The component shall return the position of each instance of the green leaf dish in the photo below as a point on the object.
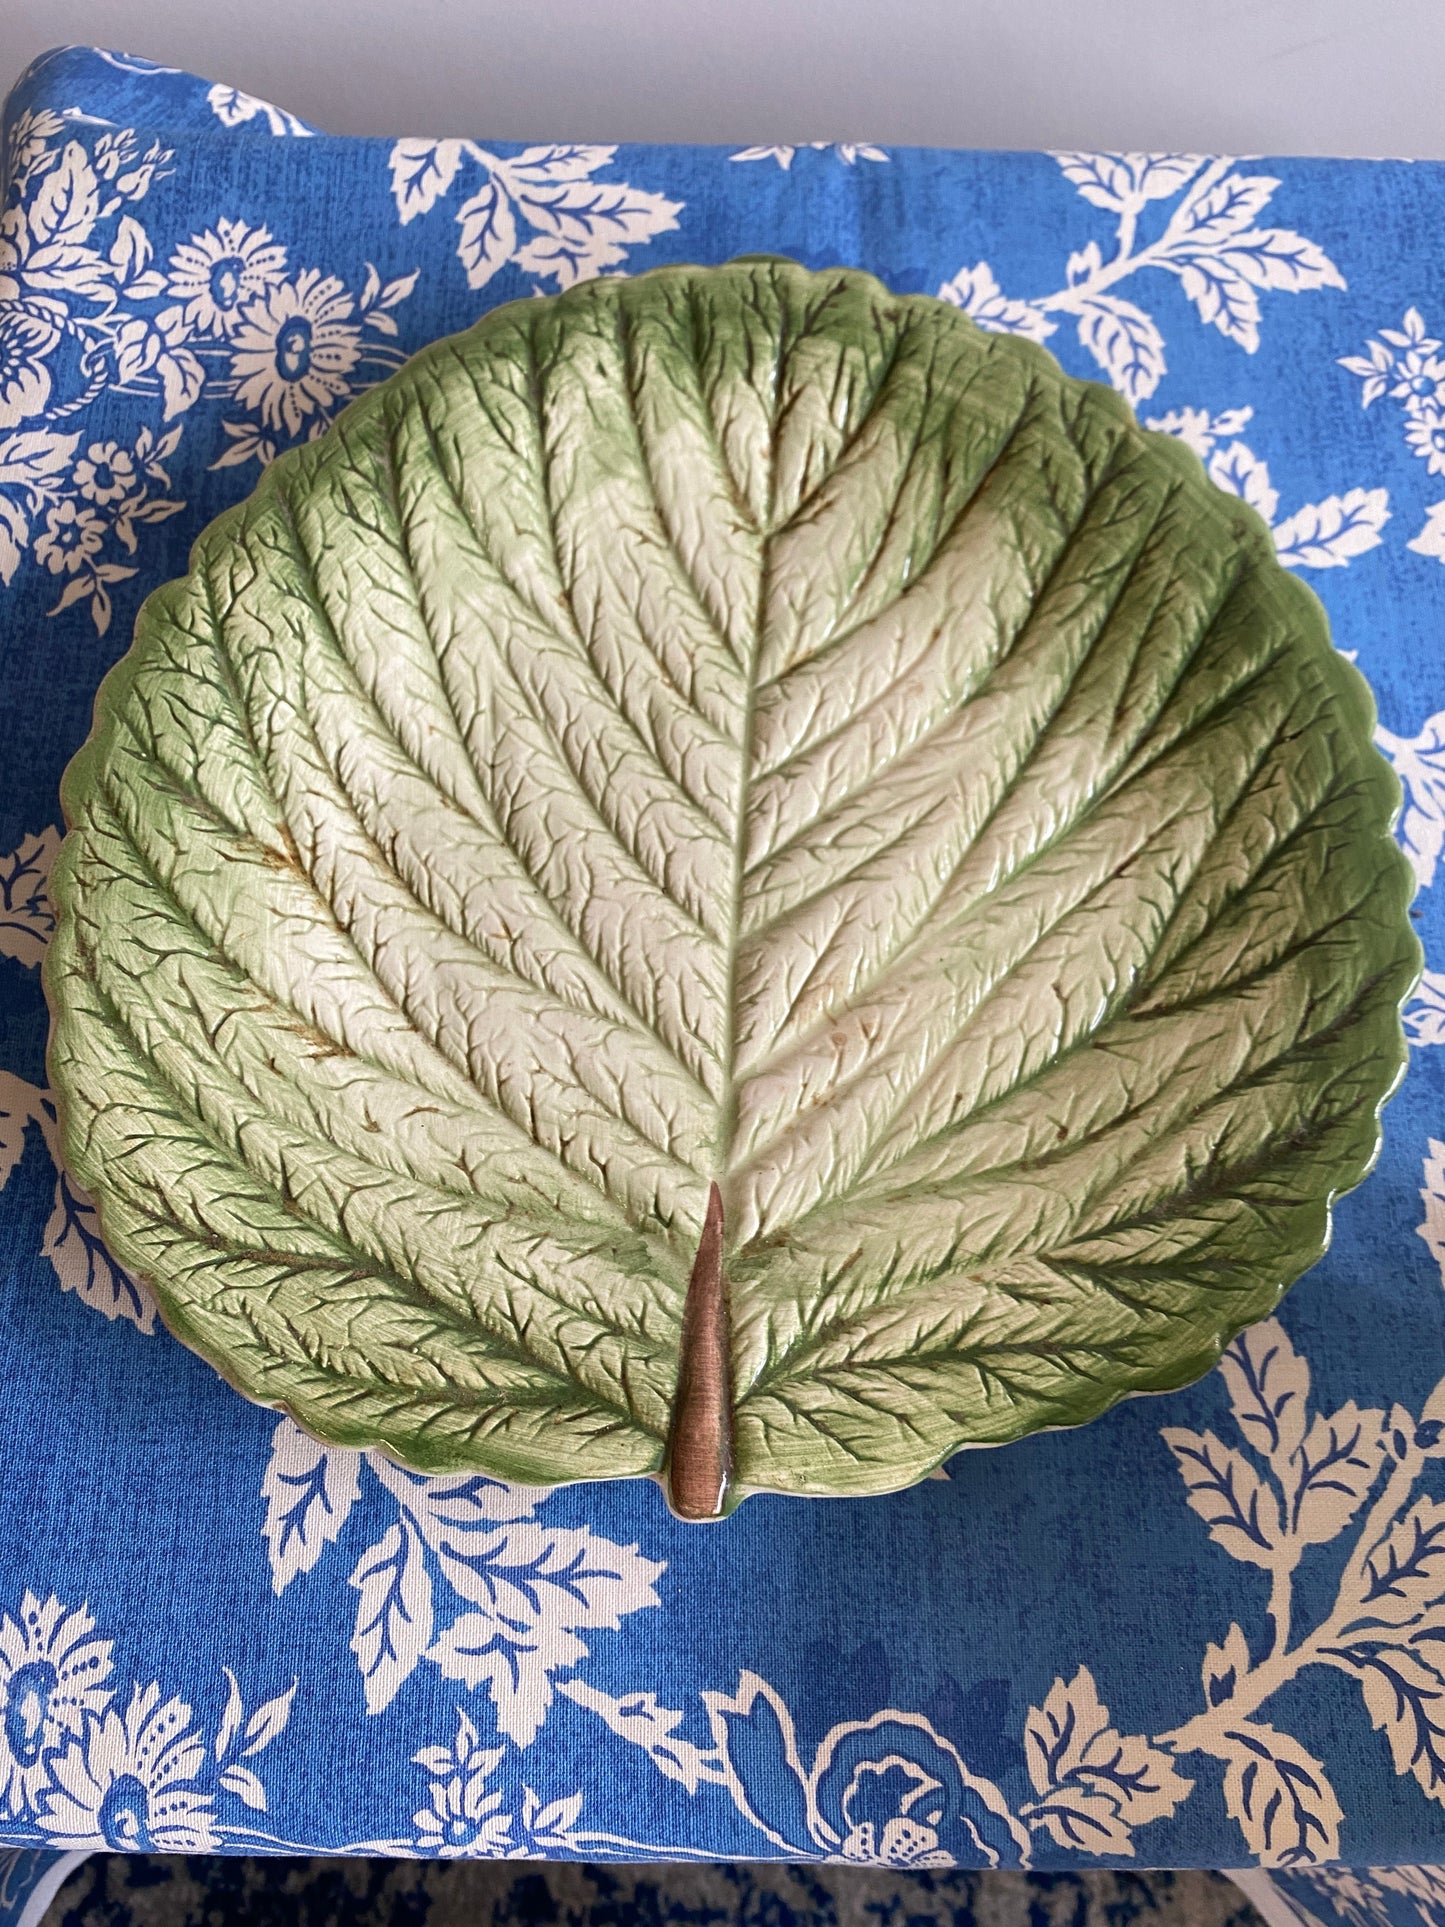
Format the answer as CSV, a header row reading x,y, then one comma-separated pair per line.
x,y
729,879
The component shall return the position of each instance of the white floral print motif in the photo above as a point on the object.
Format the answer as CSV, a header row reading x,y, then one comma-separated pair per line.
x,y
77,1772
464,1817
127,1783
579,226
1321,535
849,152
893,1789
111,492
52,1674
1405,365
81,291
527,1589
1209,242
1101,1784
218,273
888,1789
106,474
293,350
148,1782
72,536
66,503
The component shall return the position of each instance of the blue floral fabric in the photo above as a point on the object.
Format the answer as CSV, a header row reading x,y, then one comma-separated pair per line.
x,y
1207,1630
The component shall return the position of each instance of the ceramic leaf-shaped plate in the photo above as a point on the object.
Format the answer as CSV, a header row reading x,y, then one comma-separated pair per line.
x,y
732,877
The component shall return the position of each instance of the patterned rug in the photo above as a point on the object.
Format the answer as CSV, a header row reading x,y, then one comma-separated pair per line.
x,y
140,1890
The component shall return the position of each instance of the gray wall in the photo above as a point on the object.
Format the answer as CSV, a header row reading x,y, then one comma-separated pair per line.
x,y
1302,76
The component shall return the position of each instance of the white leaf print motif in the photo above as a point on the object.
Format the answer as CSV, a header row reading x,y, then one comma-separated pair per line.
x,y
527,1590
1238,471
1226,210
1425,1013
1432,1196
1269,1389
1331,533
1200,430
1320,535
1431,539
1280,1795
421,173
849,152
977,292
27,918
1208,243
233,108
231,1718
488,233
241,1781
71,1238
535,1587
1120,182
268,1721
1125,343
394,1615
1241,1511
309,1491
1420,765
642,1722
541,210
1094,1785
73,1244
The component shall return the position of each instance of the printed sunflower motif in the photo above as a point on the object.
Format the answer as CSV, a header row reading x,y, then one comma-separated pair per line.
x,y
1419,376
126,1784
293,351
1425,433
51,1677
217,274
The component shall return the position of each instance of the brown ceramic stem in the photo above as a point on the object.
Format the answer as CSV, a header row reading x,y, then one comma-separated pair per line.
x,y
700,1443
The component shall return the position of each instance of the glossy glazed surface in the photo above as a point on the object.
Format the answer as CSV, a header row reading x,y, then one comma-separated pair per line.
x,y
729,727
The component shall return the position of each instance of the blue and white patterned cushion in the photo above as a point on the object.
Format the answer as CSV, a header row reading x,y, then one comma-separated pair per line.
x,y
1209,1629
